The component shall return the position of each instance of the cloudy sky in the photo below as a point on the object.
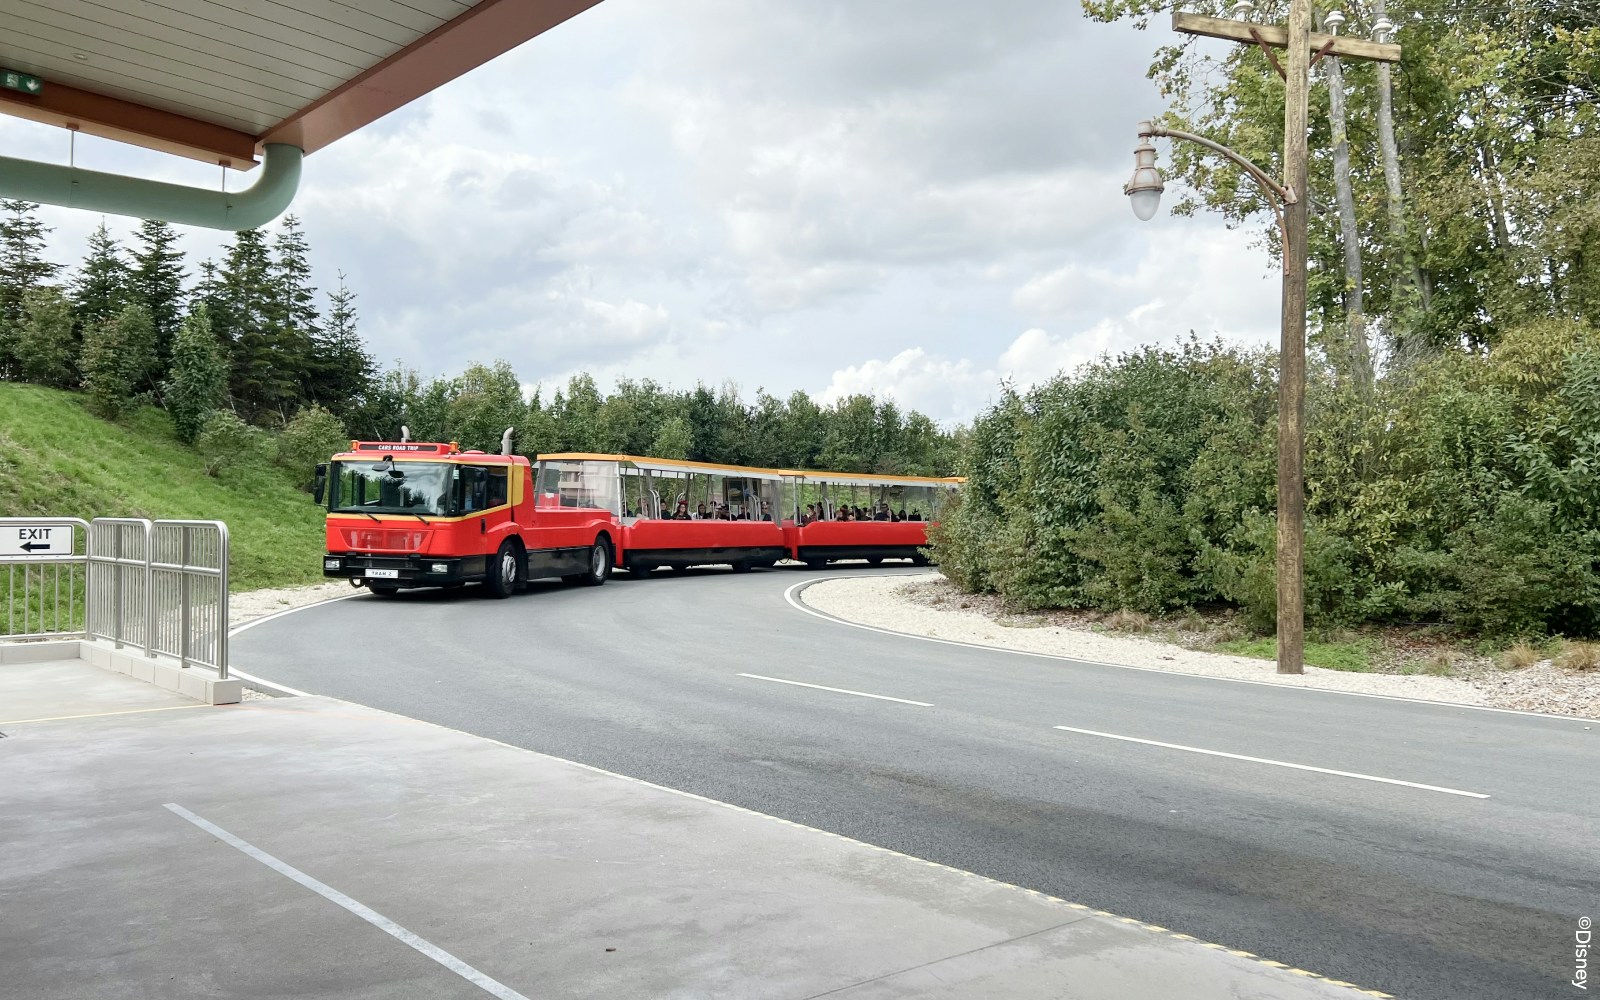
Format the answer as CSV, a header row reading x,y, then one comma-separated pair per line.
x,y
913,199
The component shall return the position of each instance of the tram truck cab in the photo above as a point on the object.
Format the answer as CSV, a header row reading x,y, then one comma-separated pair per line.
x,y
404,514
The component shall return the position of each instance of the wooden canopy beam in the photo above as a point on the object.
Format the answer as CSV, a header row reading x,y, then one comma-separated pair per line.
x,y
125,121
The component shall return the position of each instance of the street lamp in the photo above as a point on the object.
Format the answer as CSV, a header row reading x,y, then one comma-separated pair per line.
x,y
1145,187
1144,191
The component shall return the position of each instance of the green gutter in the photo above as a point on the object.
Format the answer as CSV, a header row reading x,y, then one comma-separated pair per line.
x,y
93,191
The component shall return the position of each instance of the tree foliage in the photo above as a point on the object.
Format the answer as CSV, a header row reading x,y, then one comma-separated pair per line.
x,y
23,268
309,438
47,346
1464,495
197,380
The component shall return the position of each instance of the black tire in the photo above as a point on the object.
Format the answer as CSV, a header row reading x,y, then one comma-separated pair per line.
x,y
504,572
599,568
919,560
383,589
816,563
741,565
875,560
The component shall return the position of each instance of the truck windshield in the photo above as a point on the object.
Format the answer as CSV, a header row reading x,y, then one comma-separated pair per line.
x,y
407,488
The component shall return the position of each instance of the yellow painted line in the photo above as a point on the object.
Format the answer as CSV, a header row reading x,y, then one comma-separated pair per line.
x,y
100,715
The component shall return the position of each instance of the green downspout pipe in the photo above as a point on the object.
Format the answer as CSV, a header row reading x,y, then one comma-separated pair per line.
x,y
93,191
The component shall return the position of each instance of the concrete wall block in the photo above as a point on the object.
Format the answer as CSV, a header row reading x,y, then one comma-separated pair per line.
x,y
168,678
228,692
39,652
194,685
98,655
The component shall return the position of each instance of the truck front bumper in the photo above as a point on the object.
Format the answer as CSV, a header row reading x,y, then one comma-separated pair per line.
x,y
401,571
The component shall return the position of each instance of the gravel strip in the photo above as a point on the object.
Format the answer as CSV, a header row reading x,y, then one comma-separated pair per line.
x,y
880,602
248,604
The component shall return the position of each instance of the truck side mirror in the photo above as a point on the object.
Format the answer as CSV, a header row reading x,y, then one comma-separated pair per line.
x,y
320,484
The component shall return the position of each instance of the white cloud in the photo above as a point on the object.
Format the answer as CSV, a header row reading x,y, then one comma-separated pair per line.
x,y
867,197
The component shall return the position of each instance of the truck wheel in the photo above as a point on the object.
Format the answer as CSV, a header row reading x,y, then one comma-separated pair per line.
x,y
383,589
599,568
875,560
504,572
816,563
741,565
919,560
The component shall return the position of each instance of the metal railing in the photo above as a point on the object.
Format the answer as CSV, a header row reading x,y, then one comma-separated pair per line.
x,y
188,592
45,590
119,569
161,586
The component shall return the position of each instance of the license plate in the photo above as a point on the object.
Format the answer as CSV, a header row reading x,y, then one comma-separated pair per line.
x,y
383,574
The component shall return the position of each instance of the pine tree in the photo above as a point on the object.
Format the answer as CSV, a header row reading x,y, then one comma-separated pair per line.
x,y
197,378
341,369
47,345
100,288
22,267
292,314
157,282
260,382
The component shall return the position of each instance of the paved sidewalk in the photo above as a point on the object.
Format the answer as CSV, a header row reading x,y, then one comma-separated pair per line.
x,y
310,848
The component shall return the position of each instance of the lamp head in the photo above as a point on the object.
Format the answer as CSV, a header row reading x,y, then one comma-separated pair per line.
x,y
1333,22
1145,186
1381,28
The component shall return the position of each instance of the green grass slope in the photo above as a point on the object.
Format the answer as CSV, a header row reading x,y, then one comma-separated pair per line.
x,y
56,458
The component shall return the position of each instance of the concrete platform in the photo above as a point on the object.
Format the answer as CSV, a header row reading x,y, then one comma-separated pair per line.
x,y
541,877
56,688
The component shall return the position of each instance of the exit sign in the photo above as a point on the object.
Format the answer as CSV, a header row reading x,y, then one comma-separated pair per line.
x,y
13,80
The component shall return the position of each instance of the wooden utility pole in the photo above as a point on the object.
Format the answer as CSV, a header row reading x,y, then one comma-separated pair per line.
x,y
1297,40
1292,350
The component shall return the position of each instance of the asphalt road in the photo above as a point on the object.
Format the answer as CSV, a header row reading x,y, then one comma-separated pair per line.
x,y
1422,892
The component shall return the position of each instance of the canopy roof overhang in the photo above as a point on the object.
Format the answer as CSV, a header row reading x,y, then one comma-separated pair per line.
x,y
217,81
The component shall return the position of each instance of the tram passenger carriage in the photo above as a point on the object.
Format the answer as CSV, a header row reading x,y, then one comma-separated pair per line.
x,y
411,514
744,516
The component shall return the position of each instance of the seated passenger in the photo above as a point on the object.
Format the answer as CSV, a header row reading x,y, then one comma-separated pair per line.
x,y
901,516
766,511
682,513
882,513
916,515
701,515
809,516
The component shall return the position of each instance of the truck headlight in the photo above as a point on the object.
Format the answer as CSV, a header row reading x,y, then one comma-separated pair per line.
x,y
439,568
331,564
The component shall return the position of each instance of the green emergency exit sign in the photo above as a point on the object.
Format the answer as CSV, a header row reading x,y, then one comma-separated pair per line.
x,y
13,80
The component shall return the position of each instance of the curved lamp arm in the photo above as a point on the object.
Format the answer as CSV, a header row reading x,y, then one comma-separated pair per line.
x,y
1274,191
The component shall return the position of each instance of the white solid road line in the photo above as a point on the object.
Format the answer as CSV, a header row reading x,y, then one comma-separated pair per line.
x,y
790,595
366,913
1276,763
824,687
